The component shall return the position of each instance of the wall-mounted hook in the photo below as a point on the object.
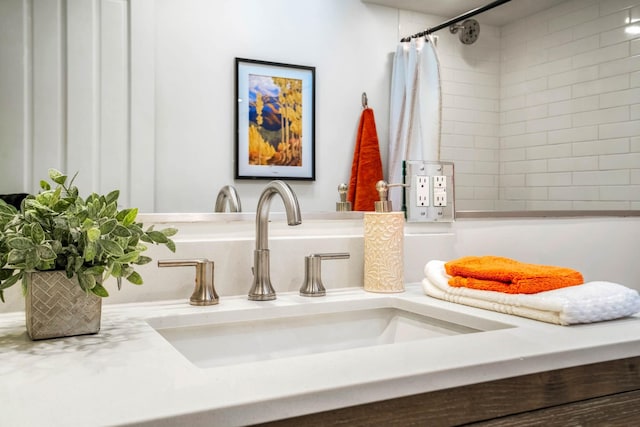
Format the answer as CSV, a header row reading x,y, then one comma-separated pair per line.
x,y
365,101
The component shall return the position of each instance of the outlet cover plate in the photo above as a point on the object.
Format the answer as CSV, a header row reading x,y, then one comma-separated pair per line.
x,y
435,201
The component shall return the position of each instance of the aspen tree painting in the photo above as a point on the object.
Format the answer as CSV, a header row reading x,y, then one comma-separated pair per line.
x,y
275,120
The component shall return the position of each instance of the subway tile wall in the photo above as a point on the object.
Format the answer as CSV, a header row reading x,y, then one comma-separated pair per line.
x,y
569,97
470,76
544,113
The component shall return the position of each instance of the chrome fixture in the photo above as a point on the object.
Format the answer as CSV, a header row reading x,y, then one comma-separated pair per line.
x,y
204,292
262,290
312,285
384,204
469,31
451,22
230,194
343,205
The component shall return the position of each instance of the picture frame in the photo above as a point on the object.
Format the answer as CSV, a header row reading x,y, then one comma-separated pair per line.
x,y
274,120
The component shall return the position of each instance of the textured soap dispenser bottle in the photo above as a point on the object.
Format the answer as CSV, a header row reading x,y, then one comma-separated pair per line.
x,y
383,246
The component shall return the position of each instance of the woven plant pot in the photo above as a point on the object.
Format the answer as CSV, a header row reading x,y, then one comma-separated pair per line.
x,y
57,307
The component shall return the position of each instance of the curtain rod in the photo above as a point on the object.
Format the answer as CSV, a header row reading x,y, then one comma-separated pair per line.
x,y
455,20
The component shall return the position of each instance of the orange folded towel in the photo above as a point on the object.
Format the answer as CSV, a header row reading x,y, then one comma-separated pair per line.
x,y
366,169
506,275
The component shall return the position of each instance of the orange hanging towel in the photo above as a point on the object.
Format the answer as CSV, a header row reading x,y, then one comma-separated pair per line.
x,y
509,276
366,169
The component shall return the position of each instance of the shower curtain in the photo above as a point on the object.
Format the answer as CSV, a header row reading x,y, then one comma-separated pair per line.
x,y
415,109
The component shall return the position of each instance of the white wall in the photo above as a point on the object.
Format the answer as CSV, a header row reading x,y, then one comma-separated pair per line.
x,y
600,248
197,41
570,108
65,71
138,95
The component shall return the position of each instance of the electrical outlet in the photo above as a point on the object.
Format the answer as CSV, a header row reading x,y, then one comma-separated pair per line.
x,y
440,198
439,181
422,190
439,190
429,197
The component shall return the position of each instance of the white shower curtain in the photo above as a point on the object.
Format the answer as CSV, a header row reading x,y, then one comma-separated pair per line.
x,y
415,109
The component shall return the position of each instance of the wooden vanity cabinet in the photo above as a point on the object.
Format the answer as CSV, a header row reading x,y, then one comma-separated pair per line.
x,y
605,393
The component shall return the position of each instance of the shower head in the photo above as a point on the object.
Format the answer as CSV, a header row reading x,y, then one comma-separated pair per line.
x,y
469,31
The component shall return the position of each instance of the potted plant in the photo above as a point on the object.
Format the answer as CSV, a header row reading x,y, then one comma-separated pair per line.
x,y
62,247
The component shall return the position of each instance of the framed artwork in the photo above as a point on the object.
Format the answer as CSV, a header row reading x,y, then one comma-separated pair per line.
x,y
275,121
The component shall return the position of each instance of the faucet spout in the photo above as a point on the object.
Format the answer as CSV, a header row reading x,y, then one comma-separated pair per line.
x,y
291,207
262,290
228,193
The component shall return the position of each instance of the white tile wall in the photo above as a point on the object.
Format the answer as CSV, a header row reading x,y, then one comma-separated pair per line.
x,y
544,112
573,164
579,67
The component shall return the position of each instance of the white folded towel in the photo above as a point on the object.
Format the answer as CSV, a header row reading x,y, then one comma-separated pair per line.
x,y
586,303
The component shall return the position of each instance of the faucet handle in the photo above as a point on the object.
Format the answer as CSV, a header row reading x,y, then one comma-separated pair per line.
x,y
312,285
204,292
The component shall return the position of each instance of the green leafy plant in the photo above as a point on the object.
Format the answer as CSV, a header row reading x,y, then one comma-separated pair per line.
x,y
89,239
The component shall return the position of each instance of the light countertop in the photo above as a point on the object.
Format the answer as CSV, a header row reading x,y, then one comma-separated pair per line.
x,y
128,374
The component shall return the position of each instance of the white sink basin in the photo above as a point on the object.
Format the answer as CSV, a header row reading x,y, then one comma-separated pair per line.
x,y
269,332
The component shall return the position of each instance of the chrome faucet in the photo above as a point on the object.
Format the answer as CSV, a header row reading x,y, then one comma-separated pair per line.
x,y
228,193
262,289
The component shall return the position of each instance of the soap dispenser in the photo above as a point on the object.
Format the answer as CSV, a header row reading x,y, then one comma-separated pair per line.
x,y
383,246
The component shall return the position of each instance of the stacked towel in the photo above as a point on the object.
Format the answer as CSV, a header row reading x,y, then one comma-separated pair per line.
x,y
501,274
587,303
366,169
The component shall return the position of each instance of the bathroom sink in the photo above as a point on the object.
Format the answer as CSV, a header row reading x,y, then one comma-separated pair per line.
x,y
250,335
